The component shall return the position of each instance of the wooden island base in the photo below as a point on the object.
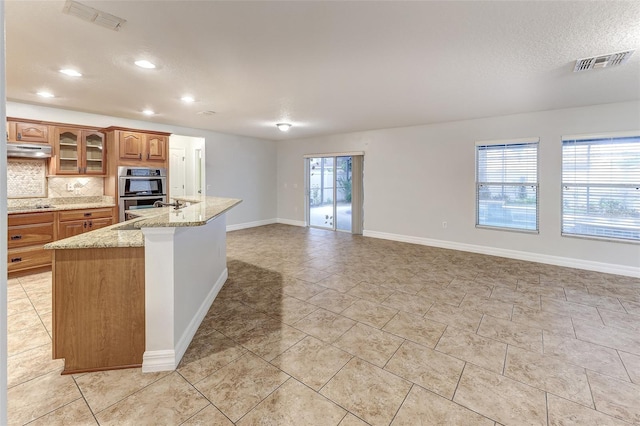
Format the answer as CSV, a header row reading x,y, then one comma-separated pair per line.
x,y
99,308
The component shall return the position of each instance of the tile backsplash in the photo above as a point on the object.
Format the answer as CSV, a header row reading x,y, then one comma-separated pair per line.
x,y
27,178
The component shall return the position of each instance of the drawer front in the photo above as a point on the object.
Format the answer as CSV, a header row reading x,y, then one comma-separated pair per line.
x,y
27,235
30,218
19,259
64,216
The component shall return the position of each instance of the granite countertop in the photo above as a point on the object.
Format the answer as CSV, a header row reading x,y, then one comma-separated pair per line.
x,y
36,205
129,234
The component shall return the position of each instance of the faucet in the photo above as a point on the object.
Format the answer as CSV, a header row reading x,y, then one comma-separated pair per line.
x,y
176,204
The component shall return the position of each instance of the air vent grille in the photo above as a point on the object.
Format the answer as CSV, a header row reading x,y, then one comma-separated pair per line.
x,y
603,61
88,13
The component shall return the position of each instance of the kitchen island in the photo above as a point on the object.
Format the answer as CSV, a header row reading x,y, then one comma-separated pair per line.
x,y
134,294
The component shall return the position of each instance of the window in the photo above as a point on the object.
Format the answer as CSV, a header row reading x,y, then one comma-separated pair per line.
x,y
507,185
601,186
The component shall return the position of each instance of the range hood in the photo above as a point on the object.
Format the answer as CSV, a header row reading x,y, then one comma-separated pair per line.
x,y
28,150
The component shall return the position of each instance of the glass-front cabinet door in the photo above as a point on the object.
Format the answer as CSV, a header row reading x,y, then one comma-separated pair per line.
x,y
67,151
93,152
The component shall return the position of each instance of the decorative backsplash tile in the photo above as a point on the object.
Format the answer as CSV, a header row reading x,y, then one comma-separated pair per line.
x,y
26,178
83,186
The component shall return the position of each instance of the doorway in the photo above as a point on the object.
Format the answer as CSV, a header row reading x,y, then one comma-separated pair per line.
x,y
334,192
186,166
178,171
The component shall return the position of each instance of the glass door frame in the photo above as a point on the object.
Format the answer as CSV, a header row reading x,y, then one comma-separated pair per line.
x,y
334,218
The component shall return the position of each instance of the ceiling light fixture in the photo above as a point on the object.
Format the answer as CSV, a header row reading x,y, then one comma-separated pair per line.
x,y
283,127
70,72
187,99
93,15
148,112
46,94
143,63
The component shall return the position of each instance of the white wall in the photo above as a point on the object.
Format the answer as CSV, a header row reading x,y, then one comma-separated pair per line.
x,y
3,231
417,177
236,166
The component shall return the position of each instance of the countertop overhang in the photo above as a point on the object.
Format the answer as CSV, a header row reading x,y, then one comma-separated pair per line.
x,y
129,234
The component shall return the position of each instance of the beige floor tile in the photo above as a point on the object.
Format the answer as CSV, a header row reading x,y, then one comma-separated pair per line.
x,y
411,285
423,408
631,307
208,416
268,340
574,310
616,338
371,292
288,309
333,300
240,385
616,398
339,282
632,364
351,420
312,361
294,404
25,319
170,400
620,319
47,320
467,320
512,333
312,275
550,321
550,374
493,307
31,364
500,398
76,413
369,313
443,295
504,294
588,355
369,343
605,302
301,289
105,388
416,328
325,325
18,306
486,353
367,391
411,303
15,292
35,398
206,354
27,338
428,368
567,413
42,301
471,287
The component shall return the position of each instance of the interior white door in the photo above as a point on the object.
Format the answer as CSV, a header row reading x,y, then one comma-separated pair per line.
x,y
177,172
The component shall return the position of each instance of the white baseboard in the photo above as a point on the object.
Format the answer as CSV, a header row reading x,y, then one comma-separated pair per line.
x,y
291,222
168,360
251,224
512,254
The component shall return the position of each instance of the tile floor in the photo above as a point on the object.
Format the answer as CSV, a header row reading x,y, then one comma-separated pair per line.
x,y
323,328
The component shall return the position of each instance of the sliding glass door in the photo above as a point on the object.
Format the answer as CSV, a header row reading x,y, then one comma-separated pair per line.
x,y
330,193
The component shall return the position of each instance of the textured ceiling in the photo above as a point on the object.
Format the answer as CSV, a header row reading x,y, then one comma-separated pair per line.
x,y
327,67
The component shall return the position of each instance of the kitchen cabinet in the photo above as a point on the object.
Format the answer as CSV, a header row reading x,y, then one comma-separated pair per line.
x,y
27,131
142,147
27,233
75,222
78,152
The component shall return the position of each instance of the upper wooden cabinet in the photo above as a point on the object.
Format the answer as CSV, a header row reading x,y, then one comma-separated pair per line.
x,y
156,147
78,152
142,147
25,131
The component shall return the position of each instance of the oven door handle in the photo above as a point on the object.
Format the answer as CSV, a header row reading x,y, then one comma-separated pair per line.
x,y
143,197
142,177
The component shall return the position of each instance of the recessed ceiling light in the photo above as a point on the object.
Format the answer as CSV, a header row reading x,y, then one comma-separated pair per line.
x,y
70,72
143,63
187,99
148,112
45,94
283,127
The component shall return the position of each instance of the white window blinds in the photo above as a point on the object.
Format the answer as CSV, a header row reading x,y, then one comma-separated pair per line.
x,y
507,185
601,186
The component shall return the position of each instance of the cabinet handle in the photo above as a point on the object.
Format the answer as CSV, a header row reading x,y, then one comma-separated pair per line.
x,y
16,259
19,136
87,214
16,237
85,224
140,156
148,156
90,224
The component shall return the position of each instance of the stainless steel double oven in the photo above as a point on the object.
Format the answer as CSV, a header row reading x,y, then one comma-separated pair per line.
x,y
140,187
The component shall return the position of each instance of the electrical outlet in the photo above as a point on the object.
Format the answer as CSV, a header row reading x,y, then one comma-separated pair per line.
x,y
444,225
70,187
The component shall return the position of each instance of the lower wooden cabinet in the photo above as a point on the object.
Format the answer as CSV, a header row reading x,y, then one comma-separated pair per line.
x,y
75,222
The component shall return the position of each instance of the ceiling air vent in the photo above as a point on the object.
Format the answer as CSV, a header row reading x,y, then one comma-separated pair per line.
x,y
90,14
603,61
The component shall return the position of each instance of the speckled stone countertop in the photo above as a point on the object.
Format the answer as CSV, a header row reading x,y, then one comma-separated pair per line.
x,y
36,205
129,234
